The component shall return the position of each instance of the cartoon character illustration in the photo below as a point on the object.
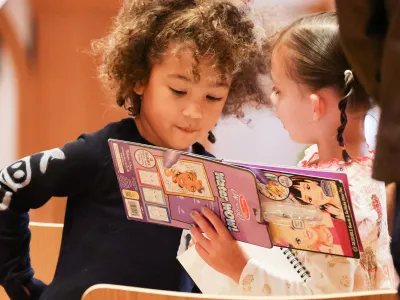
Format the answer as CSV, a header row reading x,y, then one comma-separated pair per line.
x,y
185,179
319,194
304,236
272,189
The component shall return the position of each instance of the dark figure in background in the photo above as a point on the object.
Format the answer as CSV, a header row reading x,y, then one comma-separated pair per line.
x,y
370,32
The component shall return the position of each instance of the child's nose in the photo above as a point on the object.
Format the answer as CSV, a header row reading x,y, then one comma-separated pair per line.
x,y
193,111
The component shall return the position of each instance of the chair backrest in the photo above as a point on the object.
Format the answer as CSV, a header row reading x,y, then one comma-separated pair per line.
x,y
45,248
115,292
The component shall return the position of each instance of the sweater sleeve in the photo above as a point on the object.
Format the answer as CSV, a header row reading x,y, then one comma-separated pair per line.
x,y
29,183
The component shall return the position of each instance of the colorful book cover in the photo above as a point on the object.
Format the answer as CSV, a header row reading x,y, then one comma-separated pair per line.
x,y
334,232
155,194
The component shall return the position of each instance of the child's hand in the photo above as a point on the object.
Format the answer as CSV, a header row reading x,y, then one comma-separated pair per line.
x,y
192,242
220,251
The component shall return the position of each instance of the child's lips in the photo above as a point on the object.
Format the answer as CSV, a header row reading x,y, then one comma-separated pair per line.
x,y
187,130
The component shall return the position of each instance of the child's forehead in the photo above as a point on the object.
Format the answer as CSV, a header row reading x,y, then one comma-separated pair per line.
x,y
179,59
279,62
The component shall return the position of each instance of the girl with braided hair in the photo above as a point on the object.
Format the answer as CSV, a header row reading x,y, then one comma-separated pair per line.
x,y
319,101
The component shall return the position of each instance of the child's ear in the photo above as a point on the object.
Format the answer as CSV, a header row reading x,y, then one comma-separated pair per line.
x,y
318,106
139,88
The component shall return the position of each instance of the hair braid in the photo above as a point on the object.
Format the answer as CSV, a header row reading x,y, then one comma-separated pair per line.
x,y
348,92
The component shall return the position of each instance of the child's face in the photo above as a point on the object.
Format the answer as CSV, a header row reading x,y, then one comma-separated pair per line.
x,y
309,237
189,181
303,238
292,102
176,109
312,193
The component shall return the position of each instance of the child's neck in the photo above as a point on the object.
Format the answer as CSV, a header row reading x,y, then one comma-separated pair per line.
x,y
355,142
148,134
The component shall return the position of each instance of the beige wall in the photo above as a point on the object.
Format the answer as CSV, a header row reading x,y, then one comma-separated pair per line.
x,y
8,109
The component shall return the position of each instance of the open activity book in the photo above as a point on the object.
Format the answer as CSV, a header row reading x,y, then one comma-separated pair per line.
x,y
295,208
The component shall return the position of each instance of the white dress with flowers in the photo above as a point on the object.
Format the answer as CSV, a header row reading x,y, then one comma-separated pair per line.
x,y
330,274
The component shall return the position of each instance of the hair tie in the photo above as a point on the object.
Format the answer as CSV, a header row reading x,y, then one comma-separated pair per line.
x,y
348,76
348,72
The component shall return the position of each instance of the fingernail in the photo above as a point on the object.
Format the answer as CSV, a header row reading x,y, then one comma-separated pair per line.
x,y
190,226
205,208
193,213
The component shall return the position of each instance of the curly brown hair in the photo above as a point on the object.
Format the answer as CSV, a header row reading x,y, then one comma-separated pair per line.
x,y
143,30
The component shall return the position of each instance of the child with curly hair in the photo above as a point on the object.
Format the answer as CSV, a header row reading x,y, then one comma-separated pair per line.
x,y
176,66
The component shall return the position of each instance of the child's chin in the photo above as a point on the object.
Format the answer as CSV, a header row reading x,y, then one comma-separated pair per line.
x,y
180,145
299,140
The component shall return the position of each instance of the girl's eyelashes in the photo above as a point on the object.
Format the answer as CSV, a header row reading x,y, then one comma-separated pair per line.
x,y
275,90
182,93
211,98
177,92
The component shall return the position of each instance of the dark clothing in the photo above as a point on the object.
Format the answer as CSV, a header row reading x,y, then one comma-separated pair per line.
x,y
99,244
370,33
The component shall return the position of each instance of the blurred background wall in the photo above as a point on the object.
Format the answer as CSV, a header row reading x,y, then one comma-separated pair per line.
x,y
49,93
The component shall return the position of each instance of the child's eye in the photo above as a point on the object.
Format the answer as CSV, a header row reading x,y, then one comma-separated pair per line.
x,y
308,187
177,92
213,98
298,241
275,90
309,199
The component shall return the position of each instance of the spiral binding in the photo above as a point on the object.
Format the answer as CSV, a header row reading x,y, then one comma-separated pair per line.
x,y
298,266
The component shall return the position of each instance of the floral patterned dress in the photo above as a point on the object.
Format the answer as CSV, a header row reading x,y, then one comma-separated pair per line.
x,y
330,274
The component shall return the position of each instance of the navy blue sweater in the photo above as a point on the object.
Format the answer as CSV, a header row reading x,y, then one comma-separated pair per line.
x,y
99,244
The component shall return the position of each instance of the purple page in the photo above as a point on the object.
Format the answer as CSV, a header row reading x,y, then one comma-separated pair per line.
x,y
155,194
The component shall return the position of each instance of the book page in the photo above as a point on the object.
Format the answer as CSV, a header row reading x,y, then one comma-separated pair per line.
x,y
333,231
156,194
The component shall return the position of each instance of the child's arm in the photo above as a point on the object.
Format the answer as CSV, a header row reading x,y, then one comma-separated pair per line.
x,y
328,274
30,183
16,274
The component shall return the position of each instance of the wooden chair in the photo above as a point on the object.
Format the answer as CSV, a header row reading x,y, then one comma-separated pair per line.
x,y
115,292
45,248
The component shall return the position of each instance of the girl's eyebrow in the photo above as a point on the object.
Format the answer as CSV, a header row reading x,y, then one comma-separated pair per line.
x,y
179,76
221,84
187,79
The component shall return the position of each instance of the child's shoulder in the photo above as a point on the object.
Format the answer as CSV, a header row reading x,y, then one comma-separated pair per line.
x,y
311,160
124,129
94,146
